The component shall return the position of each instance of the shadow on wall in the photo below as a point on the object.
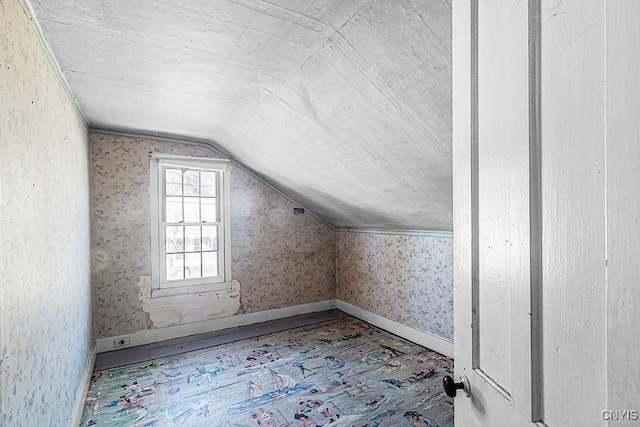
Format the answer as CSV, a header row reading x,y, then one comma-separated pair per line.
x,y
335,208
279,259
405,278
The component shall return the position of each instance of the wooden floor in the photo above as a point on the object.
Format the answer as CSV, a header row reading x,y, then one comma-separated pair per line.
x,y
143,353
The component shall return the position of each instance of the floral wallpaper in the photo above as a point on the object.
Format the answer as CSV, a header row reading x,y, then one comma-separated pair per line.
x,y
279,259
45,303
405,278
49,256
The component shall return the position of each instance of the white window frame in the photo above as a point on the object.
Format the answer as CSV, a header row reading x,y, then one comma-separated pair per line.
x,y
159,286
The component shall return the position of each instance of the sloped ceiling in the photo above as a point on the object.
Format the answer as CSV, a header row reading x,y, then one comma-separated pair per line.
x,y
344,105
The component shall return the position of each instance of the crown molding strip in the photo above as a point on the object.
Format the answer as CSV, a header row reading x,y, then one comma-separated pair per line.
x,y
35,25
420,233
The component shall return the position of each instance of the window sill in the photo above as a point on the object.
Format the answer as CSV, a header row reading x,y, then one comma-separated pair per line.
x,y
190,290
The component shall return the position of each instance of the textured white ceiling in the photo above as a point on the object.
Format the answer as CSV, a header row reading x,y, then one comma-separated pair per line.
x,y
344,105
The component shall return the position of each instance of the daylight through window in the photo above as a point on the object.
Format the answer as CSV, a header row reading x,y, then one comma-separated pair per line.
x,y
190,221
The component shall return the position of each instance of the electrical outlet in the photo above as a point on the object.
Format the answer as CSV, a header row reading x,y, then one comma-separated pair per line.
x,y
120,342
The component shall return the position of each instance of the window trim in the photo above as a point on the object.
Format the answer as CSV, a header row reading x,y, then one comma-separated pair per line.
x,y
157,162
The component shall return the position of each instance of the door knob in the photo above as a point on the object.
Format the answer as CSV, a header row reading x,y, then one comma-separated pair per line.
x,y
451,387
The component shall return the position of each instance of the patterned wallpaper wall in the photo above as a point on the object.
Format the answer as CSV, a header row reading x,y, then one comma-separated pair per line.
x,y
408,279
45,301
279,259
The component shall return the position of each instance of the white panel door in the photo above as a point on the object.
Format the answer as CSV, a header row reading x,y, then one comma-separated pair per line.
x,y
546,104
492,204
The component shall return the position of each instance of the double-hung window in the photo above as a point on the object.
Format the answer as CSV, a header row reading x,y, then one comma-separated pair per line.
x,y
190,242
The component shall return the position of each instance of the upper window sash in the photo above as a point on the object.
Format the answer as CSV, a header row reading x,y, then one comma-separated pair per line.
x,y
204,163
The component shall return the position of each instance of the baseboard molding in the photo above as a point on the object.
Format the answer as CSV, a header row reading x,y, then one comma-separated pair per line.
x,y
150,336
162,334
84,388
424,339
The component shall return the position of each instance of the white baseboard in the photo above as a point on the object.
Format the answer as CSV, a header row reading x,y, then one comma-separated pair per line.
x,y
424,339
150,336
171,332
84,388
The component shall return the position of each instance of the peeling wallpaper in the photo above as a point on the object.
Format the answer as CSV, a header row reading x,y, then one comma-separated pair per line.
x,y
45,292
49,256
407,279
279,259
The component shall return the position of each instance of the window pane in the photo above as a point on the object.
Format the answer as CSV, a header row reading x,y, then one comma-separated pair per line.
x,y
175,267
209,264
173,209
191,183
190,214
192,265
210,238
209,210
191,209
174,239
208,184
173,180
192,238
